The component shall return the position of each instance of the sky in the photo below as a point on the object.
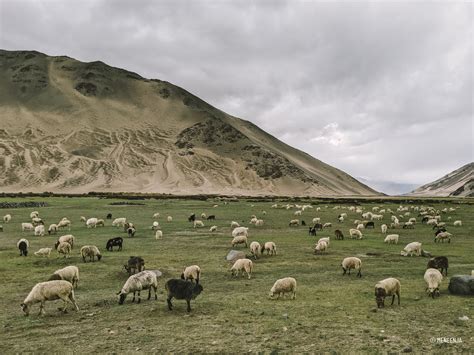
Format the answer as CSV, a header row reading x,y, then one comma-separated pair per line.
x,y
382,90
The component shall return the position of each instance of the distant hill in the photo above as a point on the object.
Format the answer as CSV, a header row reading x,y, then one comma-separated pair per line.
x,y
69,126
460,183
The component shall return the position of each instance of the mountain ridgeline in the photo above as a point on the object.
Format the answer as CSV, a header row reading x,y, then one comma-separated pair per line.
x,y
69,126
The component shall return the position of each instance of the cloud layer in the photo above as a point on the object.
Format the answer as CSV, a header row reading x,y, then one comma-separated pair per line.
x,y
380,90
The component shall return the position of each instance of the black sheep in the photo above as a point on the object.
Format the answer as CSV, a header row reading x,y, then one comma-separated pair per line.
x,y
182,290
111,243
318,226
303,223
439,262
23,246
131,232
109,216
338,234
312,231
135,264
370,225
211,217
192,218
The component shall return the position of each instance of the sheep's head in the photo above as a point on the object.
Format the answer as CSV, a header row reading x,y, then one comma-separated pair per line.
x,y
182,275
25,309
99,257
122,297
197,290
380,295
433,291
403,253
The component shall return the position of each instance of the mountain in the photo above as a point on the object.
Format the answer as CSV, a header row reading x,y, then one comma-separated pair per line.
x,y
391,188
460,183
69,126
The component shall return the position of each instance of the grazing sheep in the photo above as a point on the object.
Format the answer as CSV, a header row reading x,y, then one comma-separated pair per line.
x,y
158,234
213,229
355,233
49,291
384,228
52,229
64,223
192,218
131,232
339,235
119,222
391,239
63,248
283,286
100,222
320,247
443,236
44,252
39,230
25,227
192,272
169,219
352,263
312,231
255,249
91,222
433,279
7,218
240,231
297,213
23,245
211,217
240,239
412,248
294,223
134,264
360,226
242,265
327,225
91,251
270,248
114,242
144,280
68,238
457,223
198,224
316,220
234,224
325,239
439,262
82,219
109,216
182,290
155,225
156,215
408,225
259,222
69,273
387,287
34,214
318,226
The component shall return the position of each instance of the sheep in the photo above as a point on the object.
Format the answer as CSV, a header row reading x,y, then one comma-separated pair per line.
x,y
355,233
156,215
109,216
37,221
198,224
320,247
432,222
318,226
52,229
369,225
68,238
339,235
158,234
327,225
182,290
259,222
64,223
100,222
7,218
34,214
27,227
192,218
68,273
119,222
412,220
255,249
387,287
113,242
325,239
155,225
340,219
234,224
44,252
316,220
91,251
384,228
144,280
23,245
360,226
433,279
457,223
240,231
294,222
242,265
131,232
213,229
352,263
412,248
82,219
211,217
297,213
443,236
283,286
312,231
391,238
240,239
203,216
63,248
39,230
439,262
408,225
134,264
270,248
127,226
192,272
169,219
49,291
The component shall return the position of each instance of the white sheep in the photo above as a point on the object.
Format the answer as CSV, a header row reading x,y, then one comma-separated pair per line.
x,y
100,222
144,280
64,223
355,233
27,227
234,224
242,265
169,219
49,291
34,214
240,239
270,248
443,236
91,222
294,222
63,248
387,287
156,215
158,234
253,220
340,219
68,238
7,218
198,224
240,231
213,229
53,228
68,273
325,239
259,222
327,225
36,221
39,230
283,286
192,272
457,223
155,225
320,247
44,252
298,213
316,220
360,226
255,249
412,248
384,228
203,215
352,263
119,222
83,219
90,251
391,238
433,280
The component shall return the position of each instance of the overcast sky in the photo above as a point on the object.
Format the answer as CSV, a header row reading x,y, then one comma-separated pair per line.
x,y
381,90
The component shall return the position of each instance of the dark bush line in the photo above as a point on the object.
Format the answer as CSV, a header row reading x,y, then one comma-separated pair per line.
x,y
27,204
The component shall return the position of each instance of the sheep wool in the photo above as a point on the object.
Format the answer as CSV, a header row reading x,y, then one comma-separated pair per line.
x,y
242,265
284,286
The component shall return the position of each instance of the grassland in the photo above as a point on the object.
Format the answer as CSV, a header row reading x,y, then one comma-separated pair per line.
x,y
332,313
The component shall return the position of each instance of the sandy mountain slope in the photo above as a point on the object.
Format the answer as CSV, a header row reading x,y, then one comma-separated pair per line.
x,y
69,126
460,183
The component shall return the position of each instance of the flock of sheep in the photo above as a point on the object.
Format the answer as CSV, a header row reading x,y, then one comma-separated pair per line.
x,y
62,283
